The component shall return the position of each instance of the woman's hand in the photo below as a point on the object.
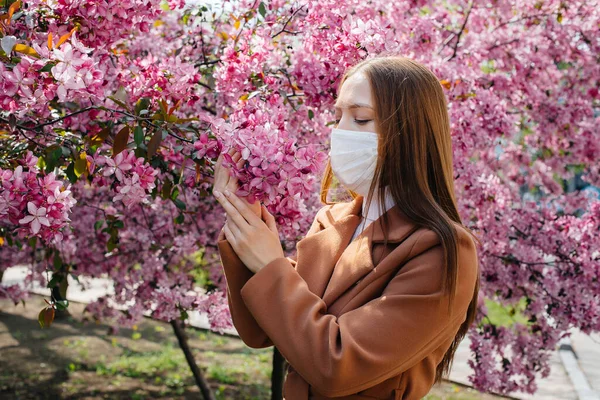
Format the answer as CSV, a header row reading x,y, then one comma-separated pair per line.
x,y
223,179
256,242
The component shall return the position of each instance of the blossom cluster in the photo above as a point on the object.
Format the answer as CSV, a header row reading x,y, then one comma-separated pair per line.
x,y
134,177
33,204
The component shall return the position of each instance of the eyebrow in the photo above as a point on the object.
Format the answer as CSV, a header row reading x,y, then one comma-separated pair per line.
x,y
355,105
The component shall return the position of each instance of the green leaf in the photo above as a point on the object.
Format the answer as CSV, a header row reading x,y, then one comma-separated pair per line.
x,y
140,151
58,152
141,105
311,114
111,244
41,318
62,304
71,173
262,9
47,67
164,6
54,154
17,15
184,315
80,166
138,135
180,204
98,224
54,281
119,102
41,164
179,219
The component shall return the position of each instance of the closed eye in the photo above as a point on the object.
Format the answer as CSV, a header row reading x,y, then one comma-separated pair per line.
x,y
358,121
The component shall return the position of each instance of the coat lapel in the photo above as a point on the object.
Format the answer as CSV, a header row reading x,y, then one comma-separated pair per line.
x,y
317,254
340,264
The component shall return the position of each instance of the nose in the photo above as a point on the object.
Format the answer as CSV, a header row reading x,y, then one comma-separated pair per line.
x,y
345,123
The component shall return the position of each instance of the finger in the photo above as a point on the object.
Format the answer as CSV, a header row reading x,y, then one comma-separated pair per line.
x,y
233,213
229,236
231,152
218,163
234,158
232,183
221,179
268,218
217,170
232,180
233,228
243,209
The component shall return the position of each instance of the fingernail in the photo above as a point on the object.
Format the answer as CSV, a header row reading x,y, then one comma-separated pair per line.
x,y
217,193
227,192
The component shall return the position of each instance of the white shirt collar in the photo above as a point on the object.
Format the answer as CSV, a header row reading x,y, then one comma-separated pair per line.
x,y
374,211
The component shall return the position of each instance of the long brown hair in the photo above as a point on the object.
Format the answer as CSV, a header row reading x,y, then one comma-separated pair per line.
x,y
415,159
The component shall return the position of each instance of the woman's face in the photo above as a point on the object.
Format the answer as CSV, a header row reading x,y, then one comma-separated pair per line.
x,y
354,106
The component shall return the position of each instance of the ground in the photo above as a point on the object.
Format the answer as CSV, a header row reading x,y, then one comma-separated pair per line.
x,y
76,359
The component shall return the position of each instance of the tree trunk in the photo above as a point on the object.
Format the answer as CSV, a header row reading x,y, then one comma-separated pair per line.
x,y
59,292
178,328
277,375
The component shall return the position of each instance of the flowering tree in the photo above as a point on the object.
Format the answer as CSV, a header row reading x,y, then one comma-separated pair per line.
x,y
113,113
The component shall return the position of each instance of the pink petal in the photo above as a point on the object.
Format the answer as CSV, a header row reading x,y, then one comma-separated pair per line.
x,y
27,219
35,226
31,208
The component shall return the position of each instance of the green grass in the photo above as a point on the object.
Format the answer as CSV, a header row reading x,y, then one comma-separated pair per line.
x,y
227,375
168,366
506,316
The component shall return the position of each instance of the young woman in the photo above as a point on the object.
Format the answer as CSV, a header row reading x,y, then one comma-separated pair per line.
x,y
377,298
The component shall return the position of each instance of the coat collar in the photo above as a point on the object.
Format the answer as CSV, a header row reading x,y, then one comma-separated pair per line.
x,y
340,213
331,264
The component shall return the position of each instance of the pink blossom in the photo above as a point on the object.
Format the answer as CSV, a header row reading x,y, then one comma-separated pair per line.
x,y
118,165
37,217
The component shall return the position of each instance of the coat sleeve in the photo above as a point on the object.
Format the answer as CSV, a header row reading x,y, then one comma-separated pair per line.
x,y
236,276
339,356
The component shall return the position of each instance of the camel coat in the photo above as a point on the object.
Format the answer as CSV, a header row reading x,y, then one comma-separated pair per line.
x,y
354,320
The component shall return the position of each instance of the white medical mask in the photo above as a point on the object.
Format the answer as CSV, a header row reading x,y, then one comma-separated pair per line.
x,y
353,158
